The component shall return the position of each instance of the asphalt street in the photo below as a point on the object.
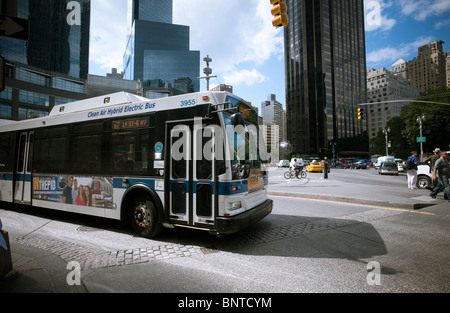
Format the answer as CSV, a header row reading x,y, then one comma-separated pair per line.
x,y
323,236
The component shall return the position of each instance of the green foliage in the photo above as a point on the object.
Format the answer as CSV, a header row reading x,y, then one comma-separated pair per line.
x,y
405,129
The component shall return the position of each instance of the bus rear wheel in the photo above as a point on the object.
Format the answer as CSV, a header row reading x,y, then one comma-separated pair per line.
x,y
144,218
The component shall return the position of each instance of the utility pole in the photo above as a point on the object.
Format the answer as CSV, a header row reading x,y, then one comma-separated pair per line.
x,y
207,71
386,132
420,120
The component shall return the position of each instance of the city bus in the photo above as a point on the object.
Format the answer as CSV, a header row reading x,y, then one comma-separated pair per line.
x,y
164,163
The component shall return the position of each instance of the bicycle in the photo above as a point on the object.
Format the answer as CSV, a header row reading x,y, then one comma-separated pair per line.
x,y
295,174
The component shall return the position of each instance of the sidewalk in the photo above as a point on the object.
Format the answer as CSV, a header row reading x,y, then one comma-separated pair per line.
x,y
37,271
315,187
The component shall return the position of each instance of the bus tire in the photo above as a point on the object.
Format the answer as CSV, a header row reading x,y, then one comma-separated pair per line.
x,y
144,218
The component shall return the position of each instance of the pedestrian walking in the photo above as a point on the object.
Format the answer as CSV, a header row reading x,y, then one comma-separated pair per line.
x,y
440,172
411,170
431,160
326,166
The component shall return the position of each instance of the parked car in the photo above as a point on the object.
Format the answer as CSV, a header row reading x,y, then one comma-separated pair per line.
x,y
424,176
349,165
400,165
283,163
388,168
384,159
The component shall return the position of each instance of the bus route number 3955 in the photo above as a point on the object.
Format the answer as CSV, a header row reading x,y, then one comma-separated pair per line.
x,y
186,103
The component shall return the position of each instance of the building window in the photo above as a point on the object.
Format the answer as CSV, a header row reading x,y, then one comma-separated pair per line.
x,y
5,111
68,85
35,98
32,77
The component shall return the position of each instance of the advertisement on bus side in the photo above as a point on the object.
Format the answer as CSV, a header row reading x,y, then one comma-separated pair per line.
x,y
93,191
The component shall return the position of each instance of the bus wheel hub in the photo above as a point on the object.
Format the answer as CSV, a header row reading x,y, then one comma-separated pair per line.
x,y
141,216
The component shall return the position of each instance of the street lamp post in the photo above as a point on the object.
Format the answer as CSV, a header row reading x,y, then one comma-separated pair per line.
x,y
420,120
385,132
208,71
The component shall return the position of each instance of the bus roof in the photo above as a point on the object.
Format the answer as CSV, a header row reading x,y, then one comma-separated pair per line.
x,y
116,105
97,102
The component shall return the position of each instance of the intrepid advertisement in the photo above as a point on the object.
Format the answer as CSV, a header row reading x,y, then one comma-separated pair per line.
x,y
93,191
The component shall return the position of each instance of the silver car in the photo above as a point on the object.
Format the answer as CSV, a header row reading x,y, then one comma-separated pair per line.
x,y
388,168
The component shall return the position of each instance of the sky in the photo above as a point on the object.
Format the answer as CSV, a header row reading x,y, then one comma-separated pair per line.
x,y
248,52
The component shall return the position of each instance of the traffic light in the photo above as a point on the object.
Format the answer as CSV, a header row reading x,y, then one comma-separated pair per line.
x,y
279,10
360,113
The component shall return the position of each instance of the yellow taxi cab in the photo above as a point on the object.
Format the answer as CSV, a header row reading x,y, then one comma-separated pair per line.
x,y
315,166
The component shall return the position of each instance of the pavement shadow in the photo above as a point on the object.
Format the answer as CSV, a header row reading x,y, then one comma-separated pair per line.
x,y
279,235
308,237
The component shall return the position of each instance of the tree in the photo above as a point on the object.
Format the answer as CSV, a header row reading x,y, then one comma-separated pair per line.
x,y
436,127
395,136
405,129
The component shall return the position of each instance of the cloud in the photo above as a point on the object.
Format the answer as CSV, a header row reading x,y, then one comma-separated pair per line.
x,y
239,77
404,50
441,24
374,18
237,35
422,9
108,35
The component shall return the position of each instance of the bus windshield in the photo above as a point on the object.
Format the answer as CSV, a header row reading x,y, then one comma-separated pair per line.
x,y
244,150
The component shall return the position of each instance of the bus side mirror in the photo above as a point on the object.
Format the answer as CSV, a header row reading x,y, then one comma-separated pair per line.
x,y
237,119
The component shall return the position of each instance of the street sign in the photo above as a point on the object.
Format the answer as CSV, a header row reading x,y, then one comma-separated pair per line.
x,y
14,27
421,139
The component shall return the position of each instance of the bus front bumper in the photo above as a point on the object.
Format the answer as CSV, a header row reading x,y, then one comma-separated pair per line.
x,y
233,224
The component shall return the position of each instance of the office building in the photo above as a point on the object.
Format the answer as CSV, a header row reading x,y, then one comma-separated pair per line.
x,y
55,44
447,66
325,63
400,68
51,67
32,92
383,86
428,70
158,51
273,114
113,82
152,10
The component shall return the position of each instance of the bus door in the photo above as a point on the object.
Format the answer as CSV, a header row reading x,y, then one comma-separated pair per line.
x,y
191,177
22,179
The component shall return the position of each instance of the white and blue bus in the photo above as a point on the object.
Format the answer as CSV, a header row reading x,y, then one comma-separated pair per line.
x,y
170,162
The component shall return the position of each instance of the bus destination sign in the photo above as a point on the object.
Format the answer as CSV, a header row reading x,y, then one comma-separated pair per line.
x,y
137,122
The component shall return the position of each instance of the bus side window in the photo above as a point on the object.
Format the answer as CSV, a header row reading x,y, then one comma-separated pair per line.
x,y
51,155
130,152
86,153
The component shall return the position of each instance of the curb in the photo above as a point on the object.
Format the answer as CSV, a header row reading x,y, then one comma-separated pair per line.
x,y
408,206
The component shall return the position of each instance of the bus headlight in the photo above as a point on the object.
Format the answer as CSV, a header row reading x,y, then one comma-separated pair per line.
x,y
233,206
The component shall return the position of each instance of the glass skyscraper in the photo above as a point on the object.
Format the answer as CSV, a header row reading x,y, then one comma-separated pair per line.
x,y
152,10
325,76
55,44
158,51
50,68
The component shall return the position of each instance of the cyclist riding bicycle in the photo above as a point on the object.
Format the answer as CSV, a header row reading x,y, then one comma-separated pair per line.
x,y
297,167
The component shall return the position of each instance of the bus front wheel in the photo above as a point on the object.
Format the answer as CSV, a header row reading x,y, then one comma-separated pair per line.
x,y
144,218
